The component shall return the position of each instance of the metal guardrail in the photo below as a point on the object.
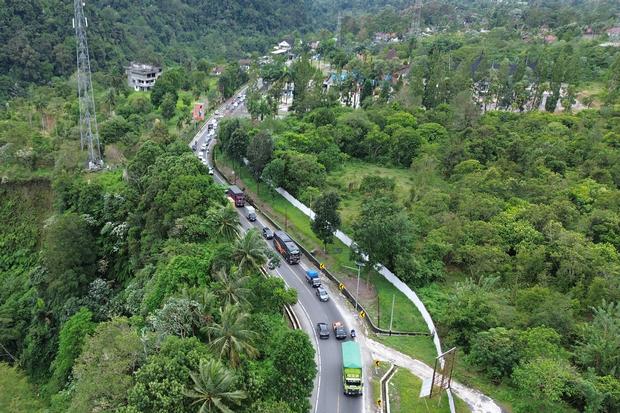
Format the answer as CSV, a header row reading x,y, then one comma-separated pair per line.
x,y
349,295
385,391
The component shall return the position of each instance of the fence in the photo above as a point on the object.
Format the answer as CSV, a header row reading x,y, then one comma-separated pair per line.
x,y
345,291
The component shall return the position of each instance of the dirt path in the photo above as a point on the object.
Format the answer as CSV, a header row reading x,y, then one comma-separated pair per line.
x,y
477,402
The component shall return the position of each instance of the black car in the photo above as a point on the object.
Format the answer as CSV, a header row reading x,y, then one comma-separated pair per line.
x,y
321,292
267,233
339,331
323,330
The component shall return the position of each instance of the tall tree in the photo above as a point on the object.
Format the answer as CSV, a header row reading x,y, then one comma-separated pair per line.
x,y
259,152
383,231
327,218
232,286
231,338
251,252
224,222
294,362
104,370
599,345
214,388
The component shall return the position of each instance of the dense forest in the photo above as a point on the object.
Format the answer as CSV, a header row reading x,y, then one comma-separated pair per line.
x,y
497,200
505,221
40,42
131,290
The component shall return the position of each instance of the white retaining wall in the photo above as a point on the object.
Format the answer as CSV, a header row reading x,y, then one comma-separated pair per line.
x,y
389,275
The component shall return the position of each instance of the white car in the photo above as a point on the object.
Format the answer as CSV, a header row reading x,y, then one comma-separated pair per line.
x,y
210,171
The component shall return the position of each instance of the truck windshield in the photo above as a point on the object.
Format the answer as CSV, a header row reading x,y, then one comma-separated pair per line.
x,y
353,381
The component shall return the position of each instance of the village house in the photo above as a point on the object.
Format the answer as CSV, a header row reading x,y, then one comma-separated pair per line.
x,y
217,70
142,77
614,34
245,64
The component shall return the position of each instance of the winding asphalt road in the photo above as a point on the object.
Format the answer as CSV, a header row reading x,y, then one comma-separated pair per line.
x,y
328,395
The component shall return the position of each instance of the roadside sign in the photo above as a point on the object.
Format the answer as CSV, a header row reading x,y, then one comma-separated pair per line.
x,y
362,314
379,402
321,266
377,363
341,286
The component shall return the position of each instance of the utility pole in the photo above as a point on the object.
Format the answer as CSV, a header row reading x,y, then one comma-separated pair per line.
x,y
392,314
357,289
89,132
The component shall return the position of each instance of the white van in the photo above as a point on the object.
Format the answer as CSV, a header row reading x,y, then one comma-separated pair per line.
x,y
250,213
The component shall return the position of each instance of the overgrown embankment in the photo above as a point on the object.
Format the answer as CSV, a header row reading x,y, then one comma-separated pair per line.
x,y
24,206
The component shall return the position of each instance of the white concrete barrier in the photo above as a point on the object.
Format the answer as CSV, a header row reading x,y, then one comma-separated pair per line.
x,y
389,275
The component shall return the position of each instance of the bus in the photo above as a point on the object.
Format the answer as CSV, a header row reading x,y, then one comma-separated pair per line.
x,y
286,247
236,195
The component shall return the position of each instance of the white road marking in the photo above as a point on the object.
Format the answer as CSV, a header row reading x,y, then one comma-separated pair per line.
x,y
316,340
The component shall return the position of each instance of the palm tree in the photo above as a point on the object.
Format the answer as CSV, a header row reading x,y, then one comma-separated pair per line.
x,y
213,388
230,337
225,222
232,286
251,252
110,100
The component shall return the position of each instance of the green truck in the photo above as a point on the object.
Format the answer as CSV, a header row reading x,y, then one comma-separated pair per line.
x,y
352,368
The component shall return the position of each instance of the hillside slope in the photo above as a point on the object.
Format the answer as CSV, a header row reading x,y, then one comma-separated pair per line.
x,y
40,42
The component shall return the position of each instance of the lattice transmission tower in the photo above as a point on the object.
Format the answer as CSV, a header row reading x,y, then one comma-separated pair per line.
x,y
339,28
89,132
414,29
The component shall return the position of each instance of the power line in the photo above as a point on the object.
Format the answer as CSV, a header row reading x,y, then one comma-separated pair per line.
x,y
89,132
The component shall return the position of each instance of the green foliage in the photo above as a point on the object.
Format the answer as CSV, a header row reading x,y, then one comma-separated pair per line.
x,y
231,79
496,351
293,357
17,394
327,218
469,312
69,253
162,380
181,271
542,381
270,295
214,388
230,337
70,341
105,369
382,231
250,252
599,345
168,106
259,152
295,171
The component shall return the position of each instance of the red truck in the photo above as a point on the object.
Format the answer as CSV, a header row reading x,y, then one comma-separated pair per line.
x,y
236,195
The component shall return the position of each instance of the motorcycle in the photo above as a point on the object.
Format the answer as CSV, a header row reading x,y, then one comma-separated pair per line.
x,y
352,333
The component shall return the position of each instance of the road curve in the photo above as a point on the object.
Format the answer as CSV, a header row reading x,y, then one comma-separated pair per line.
x,y
328,395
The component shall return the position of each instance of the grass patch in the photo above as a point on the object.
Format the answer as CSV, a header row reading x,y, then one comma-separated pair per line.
x,y
112,181
375,379
418,347
347,179
404,396
406,315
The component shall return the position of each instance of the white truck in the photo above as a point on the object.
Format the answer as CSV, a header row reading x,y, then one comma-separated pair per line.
x,y
250,213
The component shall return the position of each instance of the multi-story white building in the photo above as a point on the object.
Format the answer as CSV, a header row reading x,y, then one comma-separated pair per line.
x,y
142,77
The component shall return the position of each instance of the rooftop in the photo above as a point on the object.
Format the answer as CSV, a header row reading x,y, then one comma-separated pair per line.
x,y
143,68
